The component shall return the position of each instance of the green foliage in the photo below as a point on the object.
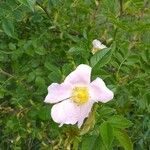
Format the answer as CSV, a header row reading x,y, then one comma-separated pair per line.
x,y
119,122
106,132
124,139
92,142
41,42
100,58
8,27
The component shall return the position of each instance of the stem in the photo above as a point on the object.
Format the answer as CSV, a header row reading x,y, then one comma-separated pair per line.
x,y
6,73
121,7
44,9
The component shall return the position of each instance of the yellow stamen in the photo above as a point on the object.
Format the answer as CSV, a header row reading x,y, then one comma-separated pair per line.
x,y
80,95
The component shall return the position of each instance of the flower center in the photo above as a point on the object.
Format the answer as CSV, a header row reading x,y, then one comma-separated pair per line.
x,y
80,95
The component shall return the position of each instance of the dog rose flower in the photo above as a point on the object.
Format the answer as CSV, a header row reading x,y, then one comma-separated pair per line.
x,y
74,98
97,45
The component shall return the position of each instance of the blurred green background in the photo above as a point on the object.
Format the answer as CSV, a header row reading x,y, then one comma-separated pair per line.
x,y
42,41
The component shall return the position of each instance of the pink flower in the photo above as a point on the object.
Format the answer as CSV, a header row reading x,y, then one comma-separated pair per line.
x,y
75,97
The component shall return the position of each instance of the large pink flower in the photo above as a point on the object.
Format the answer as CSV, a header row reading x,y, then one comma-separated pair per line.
x,y
75,97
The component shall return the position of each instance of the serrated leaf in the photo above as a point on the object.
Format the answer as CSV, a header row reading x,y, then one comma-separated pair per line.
x,y
123,139
98,56
106,132
101,58
119,122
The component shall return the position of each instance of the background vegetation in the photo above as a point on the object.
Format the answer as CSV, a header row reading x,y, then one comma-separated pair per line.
x,y
42,41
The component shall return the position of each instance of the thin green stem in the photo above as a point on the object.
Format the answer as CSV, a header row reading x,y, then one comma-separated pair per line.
x,y
44,9
6,73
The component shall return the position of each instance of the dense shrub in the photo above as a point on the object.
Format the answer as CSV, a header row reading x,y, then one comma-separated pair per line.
x,y
43,41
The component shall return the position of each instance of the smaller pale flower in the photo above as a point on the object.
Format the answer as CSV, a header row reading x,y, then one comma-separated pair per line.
x,y
97,45
75,97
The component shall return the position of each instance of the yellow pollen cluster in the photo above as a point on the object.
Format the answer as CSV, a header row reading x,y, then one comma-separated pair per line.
x,y
80,95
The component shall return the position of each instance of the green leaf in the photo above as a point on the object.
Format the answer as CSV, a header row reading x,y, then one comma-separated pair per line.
x,y
92,142
8,27
55,76
31,4
40,82
76,50
12,46
105,112
106,132
132,60
50,66
24,2
119,122
101,57
31,77
44,113
123,139
40,50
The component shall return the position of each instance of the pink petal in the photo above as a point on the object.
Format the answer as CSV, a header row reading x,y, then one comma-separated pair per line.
x,y
99,91
84,112
65,112
58,92
81,75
